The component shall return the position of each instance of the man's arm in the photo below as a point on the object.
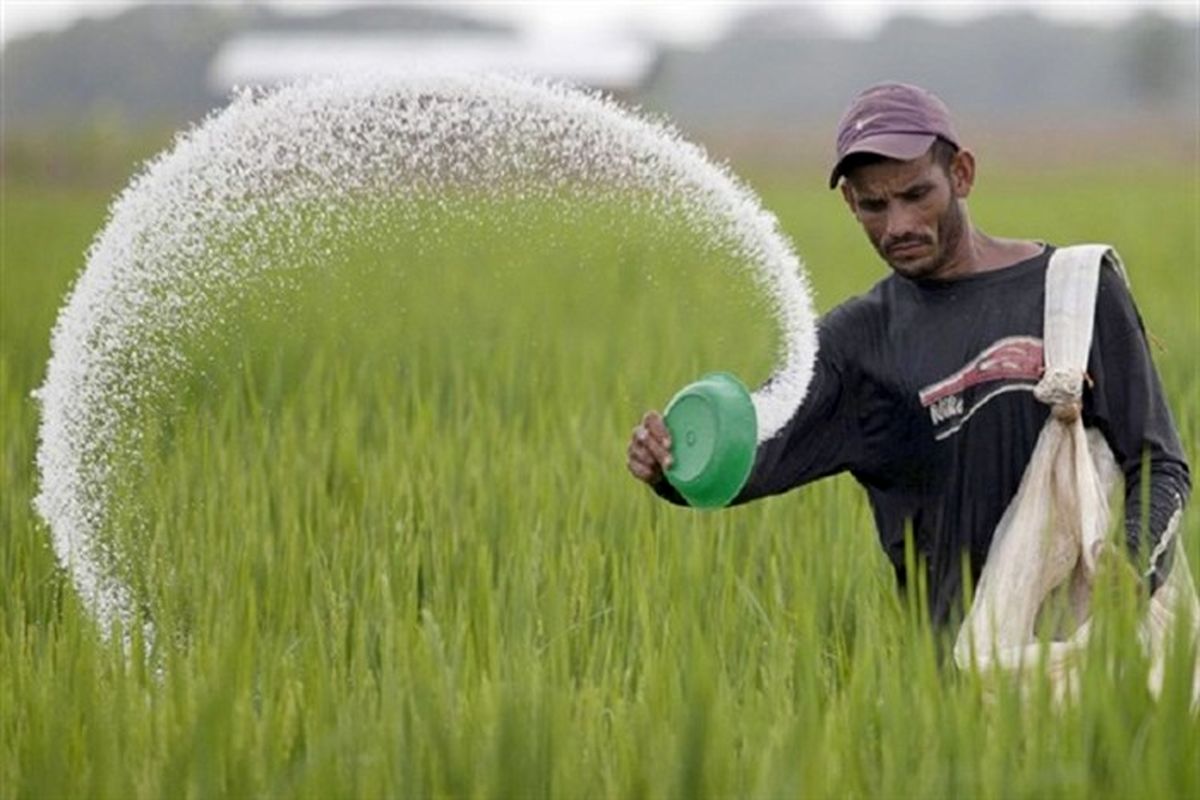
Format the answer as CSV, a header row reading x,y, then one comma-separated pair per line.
x,y
1128,406
821,438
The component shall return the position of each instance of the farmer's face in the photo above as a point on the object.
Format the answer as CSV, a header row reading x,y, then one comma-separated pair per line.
x,y
913,211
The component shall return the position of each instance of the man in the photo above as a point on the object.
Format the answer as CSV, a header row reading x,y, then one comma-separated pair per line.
x,y
922,387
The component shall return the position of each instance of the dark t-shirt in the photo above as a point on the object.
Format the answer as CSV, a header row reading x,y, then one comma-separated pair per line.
x,y
923,391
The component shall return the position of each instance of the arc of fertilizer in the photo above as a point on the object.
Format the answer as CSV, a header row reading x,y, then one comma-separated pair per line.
x,y
153,268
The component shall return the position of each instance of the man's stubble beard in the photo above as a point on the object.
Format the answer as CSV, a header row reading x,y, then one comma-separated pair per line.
x,y
950,232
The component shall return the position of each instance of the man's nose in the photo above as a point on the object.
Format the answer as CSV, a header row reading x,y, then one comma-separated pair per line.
x,y
899,221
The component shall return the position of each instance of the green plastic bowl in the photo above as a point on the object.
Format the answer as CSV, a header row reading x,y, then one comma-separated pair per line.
x,y
714,433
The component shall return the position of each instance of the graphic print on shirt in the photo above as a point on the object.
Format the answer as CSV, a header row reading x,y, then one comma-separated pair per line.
x,y
1007,365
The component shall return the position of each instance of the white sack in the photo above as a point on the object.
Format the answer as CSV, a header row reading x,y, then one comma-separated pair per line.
x,y
1054,531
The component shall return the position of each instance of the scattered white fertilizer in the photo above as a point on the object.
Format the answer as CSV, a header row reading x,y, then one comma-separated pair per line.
x,y
238,198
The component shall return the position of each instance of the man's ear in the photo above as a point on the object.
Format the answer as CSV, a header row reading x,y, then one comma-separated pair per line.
x,y
848,196
962,173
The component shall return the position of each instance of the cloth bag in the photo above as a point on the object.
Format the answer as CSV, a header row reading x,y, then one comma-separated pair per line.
x,y
1054,532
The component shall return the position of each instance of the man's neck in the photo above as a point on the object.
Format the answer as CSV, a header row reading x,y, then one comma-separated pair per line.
x,y
978,253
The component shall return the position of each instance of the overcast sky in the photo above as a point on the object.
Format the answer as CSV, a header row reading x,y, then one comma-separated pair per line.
x,y
670,20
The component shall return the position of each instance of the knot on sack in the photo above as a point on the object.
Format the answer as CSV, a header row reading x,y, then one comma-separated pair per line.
x,y
1061,389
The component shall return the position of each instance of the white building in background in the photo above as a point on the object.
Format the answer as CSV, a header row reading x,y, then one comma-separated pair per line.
x,y
618,66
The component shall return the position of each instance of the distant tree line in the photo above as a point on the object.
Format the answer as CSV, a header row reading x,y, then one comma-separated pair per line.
x,y
776,69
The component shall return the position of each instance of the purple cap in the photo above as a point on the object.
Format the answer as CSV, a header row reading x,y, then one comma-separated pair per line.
x,y
895,120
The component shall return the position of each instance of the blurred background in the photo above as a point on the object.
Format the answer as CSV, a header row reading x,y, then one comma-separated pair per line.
x,y
92,88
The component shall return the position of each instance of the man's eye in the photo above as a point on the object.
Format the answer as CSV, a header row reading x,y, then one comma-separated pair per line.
x,y
873,206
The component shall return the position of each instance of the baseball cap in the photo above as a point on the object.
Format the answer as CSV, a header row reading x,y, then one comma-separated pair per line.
x,y
896,120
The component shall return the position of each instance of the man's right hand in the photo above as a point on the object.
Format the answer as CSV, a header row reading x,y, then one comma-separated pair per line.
x,y
649,450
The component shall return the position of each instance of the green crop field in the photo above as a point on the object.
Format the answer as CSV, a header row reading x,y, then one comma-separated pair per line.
x,y
389,546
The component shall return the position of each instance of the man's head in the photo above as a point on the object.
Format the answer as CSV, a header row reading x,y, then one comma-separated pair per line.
x,y
906,178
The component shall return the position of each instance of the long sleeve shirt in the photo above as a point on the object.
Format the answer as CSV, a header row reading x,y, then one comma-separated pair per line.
x,y
923,391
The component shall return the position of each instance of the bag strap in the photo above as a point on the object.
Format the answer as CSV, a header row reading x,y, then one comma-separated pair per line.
x,y
1072,279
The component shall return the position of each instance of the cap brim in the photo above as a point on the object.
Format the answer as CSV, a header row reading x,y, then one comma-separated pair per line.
x,y
900,146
